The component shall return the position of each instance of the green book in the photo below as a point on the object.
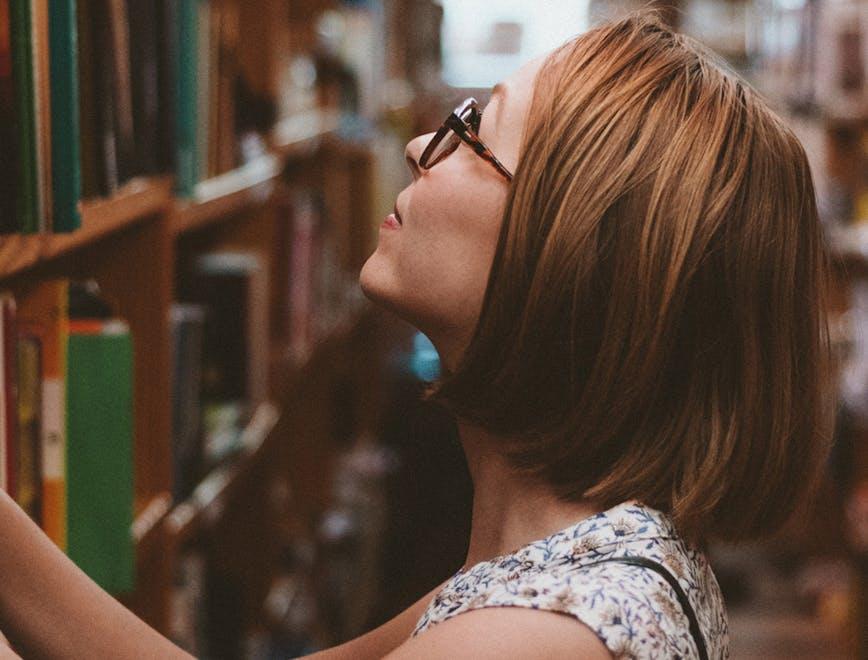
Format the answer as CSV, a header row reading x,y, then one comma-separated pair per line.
x,y
65,132
99,467
27,195
186,96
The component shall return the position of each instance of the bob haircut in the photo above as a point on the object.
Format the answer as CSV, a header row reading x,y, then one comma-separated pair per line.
x,y
655,320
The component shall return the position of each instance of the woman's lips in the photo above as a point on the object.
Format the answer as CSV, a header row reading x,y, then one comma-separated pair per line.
x,y
398,215
391,222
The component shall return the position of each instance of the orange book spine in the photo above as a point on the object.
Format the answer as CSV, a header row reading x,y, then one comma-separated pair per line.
x,y
48,305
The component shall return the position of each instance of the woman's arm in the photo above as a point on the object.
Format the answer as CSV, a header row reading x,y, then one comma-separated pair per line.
x,y
381,640
51,609
6,652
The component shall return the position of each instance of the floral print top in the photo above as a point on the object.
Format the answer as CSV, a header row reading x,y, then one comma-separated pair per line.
x,y
632,609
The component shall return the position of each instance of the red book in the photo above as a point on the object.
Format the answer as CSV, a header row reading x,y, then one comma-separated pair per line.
x,y
9,403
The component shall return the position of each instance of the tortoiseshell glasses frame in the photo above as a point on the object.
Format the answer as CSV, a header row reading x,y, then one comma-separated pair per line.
x,y
461,125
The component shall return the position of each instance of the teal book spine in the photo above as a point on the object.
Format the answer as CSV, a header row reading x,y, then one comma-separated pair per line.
x,y
27,195
100,452
186,96
65,131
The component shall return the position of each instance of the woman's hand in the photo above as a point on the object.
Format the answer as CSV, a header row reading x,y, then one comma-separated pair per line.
x,y
54,611
6,652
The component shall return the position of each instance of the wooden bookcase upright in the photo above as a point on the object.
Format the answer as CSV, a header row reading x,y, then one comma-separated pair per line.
x,y
132,244
135,244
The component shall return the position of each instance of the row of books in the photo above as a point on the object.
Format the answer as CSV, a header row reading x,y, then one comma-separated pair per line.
x,y
66,423
66,400
220,346
323,589
231,303
96,92
813,54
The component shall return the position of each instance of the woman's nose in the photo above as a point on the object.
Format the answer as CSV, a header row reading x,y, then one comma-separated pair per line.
x,y
413,152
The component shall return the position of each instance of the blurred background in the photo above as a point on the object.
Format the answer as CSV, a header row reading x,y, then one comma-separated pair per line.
x,y
242,458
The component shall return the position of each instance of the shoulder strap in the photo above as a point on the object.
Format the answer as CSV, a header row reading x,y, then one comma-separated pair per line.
x,y
682,597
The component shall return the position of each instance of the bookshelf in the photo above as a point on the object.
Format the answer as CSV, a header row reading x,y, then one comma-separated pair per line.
x,y
139,239
805,60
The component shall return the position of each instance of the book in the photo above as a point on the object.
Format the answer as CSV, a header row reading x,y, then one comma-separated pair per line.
x,y
100,469
145,84
234,287
9,398
186,86
9,222
204,75
187,602
100,457
187,321
304,241
29,495
5,439
224,153
43,307
26,176
65,154
40,38
119,63
93,182
842,65
167,65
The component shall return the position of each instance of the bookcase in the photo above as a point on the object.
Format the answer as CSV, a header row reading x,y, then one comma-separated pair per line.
x,y
809,60
299,153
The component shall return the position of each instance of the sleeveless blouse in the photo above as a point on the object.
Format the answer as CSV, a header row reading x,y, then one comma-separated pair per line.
x,y
633,610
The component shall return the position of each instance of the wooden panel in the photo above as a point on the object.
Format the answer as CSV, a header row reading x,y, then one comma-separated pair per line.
x,y
138,200
226,195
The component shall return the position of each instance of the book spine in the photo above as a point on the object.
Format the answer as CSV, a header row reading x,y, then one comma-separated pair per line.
x,y
42,103
54,417
186,97
30,423
123,98
5,438
100,465
187,332
65,131
104,82
8,135
10,387
88,104
26,198
204,81
167,66
146,98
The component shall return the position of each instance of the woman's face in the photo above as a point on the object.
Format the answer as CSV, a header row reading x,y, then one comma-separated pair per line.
x,y
432,270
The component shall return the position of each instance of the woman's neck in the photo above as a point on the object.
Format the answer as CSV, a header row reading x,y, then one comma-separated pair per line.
x,y
509,510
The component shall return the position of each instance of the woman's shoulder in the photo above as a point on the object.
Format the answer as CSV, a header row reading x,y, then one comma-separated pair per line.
x,y
633,610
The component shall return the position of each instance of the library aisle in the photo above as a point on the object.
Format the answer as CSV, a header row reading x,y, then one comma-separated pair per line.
x,y
200,407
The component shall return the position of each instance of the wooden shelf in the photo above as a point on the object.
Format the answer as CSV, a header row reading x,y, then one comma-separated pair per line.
x,y
209,498
137,200
252,184
288,366
149,516
849,246
300,135
224,195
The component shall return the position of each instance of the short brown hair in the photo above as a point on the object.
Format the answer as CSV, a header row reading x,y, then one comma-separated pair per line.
x,y
655,322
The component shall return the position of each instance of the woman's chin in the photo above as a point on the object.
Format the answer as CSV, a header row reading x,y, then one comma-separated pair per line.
x,y
378,287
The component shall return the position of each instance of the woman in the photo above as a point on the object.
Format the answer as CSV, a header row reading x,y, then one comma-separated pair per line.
x,y
622,268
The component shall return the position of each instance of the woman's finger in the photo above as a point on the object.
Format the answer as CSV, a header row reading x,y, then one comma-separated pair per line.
x,y
6,652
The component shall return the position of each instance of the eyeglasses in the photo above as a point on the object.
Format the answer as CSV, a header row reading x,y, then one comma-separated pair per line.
x,y
461,125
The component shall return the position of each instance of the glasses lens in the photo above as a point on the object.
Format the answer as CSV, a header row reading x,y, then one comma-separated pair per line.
x,y
451,141
446,146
